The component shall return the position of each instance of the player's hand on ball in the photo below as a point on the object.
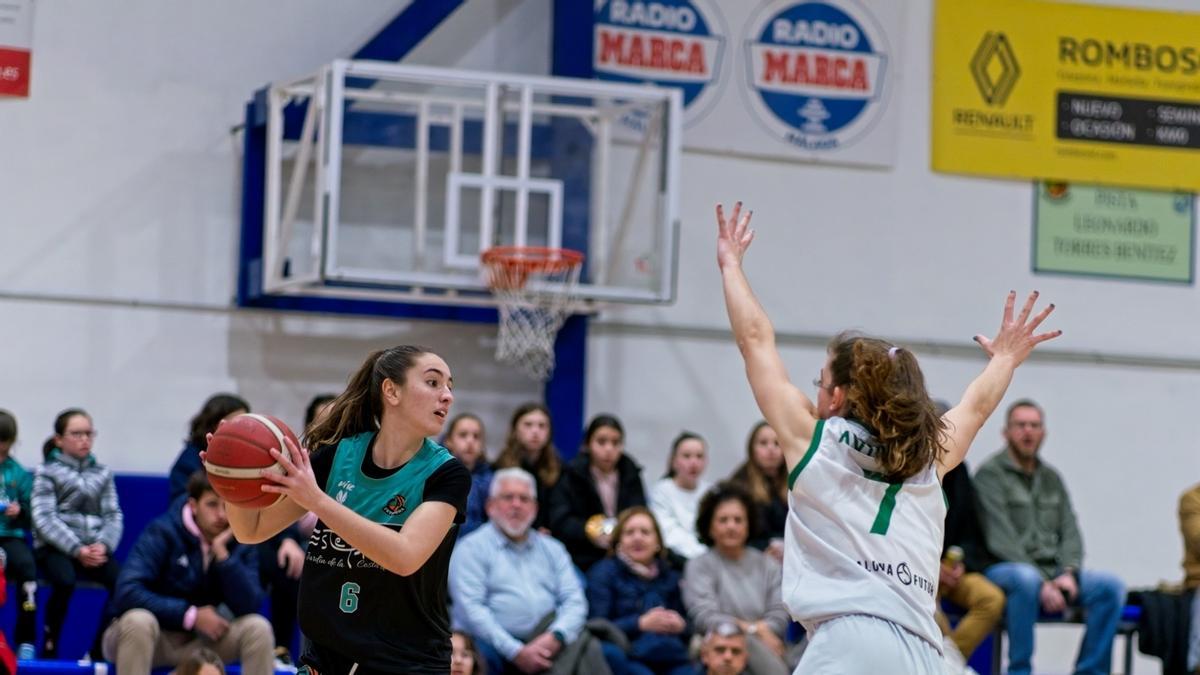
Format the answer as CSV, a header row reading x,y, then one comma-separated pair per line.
x,y
297,481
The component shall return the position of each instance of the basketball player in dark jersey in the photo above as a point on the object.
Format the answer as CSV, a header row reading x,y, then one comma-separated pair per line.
x,y
373,595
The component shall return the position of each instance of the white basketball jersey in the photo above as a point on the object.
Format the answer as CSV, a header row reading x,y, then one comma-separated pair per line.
x,y
856,544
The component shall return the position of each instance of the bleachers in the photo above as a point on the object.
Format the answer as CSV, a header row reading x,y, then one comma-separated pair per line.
x,y
143,498
1126,628
989,656
84,668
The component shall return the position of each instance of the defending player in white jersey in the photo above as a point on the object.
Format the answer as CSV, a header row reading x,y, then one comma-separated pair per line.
x,y
865,464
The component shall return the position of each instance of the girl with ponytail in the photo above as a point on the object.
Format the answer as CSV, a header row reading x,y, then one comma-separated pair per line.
x,y
388,499
865,461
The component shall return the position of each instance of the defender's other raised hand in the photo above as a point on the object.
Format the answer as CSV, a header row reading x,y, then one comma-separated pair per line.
x,y
1016,337
733,235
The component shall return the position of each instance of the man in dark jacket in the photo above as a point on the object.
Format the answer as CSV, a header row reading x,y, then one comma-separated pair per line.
x,y
186,583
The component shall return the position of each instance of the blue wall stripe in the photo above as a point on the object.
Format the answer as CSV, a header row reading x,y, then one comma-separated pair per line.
x,y
566,392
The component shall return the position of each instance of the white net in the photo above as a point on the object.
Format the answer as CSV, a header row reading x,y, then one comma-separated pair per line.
x,y
534,288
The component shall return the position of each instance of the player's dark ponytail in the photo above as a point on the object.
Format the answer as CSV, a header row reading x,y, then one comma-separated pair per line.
x,y
360,407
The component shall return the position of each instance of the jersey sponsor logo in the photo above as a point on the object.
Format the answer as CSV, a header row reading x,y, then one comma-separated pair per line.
x,y
327,549
900,572
395,506
345,487
818,72
670,43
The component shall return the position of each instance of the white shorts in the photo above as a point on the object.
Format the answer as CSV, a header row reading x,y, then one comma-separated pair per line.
x,y
857,644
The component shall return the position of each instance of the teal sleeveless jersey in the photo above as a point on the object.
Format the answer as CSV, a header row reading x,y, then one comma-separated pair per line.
x,y
387,501
354,607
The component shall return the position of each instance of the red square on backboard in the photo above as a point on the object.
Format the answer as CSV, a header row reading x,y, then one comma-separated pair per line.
x,y
14,72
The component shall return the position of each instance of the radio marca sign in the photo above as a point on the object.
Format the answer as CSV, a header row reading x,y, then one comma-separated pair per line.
x,y
16,46
805,80
1067,92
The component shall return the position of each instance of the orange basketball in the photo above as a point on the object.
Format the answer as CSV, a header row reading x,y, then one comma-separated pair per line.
x,y
237,454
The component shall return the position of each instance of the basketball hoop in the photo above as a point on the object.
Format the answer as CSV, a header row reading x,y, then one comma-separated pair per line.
x,y
534,287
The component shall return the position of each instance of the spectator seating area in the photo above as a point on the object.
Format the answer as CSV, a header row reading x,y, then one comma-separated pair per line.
x,y
989,657
143,498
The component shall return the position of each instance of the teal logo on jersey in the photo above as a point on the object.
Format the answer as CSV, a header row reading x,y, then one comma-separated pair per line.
x,y
395,506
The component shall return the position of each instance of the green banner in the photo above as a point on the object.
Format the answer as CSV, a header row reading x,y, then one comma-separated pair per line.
x,y
1113,232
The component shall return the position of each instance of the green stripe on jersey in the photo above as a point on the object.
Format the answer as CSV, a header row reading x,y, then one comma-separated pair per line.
x,y
818,431
886,505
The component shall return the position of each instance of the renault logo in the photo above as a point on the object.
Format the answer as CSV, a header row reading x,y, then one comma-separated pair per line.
x,y
995,69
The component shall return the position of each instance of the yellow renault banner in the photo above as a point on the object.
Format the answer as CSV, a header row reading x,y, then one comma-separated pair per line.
x,y
1067,91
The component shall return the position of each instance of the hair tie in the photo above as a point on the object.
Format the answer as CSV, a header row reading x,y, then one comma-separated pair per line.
x,y
892,352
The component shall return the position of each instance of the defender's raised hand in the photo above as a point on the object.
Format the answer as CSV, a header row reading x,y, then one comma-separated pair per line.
x,y
1016,337
733,235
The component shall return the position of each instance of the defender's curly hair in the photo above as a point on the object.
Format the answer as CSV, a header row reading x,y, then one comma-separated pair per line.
x,y
885,390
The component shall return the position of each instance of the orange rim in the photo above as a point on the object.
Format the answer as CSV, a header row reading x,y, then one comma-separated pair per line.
x,y
531,258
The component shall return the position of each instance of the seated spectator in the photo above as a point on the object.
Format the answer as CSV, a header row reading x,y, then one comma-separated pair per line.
x,y
723,651
201,661
280,558
764,477
530,446
15,491
733,583
464,660
961,580
599,483
1031,528
77,523
215,410
674,498
317,407
512,588
464,439
188,583
638,592
1189,526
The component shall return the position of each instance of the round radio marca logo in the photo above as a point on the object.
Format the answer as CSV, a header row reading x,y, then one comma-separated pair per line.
x,y
670,43
817,72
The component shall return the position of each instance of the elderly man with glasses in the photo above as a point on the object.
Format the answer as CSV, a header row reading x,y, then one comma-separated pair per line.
x,y
514,589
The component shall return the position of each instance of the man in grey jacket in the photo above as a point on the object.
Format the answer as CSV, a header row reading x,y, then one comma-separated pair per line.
x,y
1031,528
77,523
